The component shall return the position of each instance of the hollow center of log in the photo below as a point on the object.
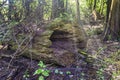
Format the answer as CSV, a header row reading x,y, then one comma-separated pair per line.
x,y
61,41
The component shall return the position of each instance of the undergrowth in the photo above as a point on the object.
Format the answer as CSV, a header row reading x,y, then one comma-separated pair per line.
x,y
113,63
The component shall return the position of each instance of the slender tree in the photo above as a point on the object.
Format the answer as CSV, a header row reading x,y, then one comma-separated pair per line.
x,y
26,4
57,8
40,9
66,7
11,7
78,11
94,6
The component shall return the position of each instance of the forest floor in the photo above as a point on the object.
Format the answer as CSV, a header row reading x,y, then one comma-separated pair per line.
x,y
97,69
105,53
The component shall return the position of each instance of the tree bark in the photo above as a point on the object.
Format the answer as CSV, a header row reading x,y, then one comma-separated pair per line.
x,y
57,8
94,6
78,11
40,9
66,6
26,4
10,11
113,25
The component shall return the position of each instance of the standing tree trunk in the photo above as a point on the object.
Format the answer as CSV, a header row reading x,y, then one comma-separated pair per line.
x,y
108,9
57,8
54,9
101,7
40,10
66,7
10,11
61,6
78,11
107,17
94,6
26,4
113,25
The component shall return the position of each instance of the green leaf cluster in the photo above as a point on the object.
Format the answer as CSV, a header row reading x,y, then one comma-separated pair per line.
x,y
42,71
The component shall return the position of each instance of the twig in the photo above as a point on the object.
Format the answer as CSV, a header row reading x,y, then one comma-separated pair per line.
x,y
19,47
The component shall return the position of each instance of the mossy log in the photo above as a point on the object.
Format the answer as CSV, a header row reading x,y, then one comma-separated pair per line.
x,y
56,43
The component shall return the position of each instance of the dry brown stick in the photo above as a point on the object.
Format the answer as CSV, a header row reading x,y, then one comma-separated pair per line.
x,y
19,48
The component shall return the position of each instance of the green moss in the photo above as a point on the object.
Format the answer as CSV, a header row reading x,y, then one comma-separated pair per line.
x,y
55,23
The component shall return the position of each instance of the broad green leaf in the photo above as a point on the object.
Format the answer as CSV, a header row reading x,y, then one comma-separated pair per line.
x,y
38,71
41,64
45,73
41,78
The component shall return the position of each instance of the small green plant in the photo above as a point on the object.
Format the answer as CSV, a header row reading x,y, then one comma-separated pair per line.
x,y
26,75
100,74
82,76
68,72
90,32
58,72
61,72
41,71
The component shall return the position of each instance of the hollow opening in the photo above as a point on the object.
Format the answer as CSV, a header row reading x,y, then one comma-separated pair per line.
x,y
61,41
57,34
